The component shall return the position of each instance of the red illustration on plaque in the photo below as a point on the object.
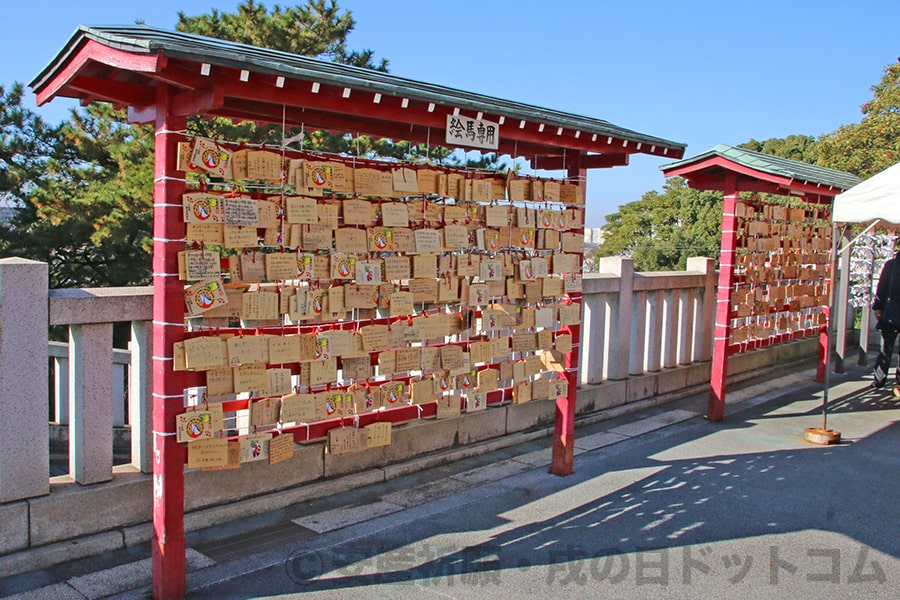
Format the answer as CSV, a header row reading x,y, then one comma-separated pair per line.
x,y
467,379
206,296
546,220
195,426
255,449
395,394
213,158
319,176
381,240
525,237
369,400
203,209
317,303
304,265
344,268
444,382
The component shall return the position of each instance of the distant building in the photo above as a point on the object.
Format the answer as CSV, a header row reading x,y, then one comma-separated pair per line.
x,y
593,236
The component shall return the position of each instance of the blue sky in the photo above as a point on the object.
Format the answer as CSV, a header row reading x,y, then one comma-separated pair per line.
x,y
699,72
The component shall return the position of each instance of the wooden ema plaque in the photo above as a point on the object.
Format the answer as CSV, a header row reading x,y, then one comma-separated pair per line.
x,y
382,287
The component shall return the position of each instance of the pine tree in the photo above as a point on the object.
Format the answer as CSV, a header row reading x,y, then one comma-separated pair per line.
x,y
84,189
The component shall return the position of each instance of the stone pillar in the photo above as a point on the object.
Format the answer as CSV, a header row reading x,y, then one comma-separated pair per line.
x,y
685,352
24,399
703,342
61,389
670,328
654,331
593,334
90,402
619,334
638,335
140,404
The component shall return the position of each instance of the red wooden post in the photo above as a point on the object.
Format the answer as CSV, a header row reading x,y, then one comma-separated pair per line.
x,y
824,343
718,375
168,545
563,454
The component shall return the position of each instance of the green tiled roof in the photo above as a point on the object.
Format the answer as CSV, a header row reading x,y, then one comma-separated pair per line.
x,y
221,52
773,165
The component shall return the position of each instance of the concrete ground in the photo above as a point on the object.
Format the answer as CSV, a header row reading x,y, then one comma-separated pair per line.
x,y
661,502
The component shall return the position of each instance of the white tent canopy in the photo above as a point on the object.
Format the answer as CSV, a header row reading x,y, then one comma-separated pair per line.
x,y
876,198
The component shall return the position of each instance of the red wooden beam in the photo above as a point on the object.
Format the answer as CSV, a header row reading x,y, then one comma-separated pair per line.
x,y
93,52
313,119
117,92
710,174
261,89
587,161
193,102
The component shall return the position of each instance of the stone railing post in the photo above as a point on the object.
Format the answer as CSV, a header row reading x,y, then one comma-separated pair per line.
x,y
90,402
704,323
592,335
639,324
618,336
24,433
685,345
140,406
654,337
60,354
670,328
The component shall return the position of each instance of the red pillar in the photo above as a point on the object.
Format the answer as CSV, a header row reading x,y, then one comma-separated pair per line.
x,y
824,343
716,409
168,547
563,454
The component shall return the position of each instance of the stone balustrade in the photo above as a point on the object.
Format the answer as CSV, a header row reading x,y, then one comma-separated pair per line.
x,y
644,335
633,323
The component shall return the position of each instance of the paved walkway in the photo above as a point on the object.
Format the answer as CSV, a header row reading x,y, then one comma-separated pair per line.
x,y
662,502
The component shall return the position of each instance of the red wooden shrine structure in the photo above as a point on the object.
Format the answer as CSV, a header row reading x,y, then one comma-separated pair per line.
x,y
163,77
732,171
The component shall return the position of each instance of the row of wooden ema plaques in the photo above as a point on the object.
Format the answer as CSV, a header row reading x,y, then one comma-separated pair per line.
x,y
359,286
781,272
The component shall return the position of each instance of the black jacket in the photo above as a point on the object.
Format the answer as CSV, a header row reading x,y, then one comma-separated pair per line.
x,y
888,286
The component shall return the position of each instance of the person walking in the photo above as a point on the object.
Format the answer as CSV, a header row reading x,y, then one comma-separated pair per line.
x,y
887,312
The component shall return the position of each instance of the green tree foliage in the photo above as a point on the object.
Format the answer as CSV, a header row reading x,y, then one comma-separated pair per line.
x,y
24,140
315,29
84,188
662,230
84,210
318,29
804,148
873,144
